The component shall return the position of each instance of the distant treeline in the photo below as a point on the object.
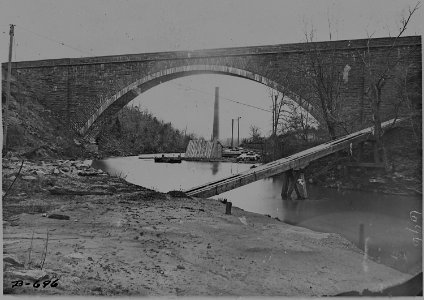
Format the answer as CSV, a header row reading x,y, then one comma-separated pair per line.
x,y
132,132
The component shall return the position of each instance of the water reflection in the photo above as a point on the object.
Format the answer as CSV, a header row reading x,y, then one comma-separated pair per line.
x,y
164,177
387,223
215,167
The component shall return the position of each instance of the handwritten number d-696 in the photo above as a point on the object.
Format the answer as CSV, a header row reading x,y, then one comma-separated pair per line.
x,y
46,283
54,283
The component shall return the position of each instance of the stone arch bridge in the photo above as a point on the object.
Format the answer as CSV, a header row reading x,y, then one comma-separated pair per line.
x,y
86,92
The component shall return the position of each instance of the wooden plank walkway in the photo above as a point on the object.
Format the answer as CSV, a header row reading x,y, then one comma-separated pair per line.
x,y
295,161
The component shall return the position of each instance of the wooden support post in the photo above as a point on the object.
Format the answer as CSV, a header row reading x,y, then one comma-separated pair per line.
x,y
285,187
303,184
290,184
228,206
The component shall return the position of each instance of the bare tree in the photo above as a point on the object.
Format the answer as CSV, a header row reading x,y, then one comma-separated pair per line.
x,y
408,86
378,78
255,132
299,120
278,109
323,78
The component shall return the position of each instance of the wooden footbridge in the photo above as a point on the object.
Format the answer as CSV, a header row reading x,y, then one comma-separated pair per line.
x,y
293,162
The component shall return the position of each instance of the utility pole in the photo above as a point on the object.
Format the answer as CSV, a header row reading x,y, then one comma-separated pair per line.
x,y
232,132
9,72
238,131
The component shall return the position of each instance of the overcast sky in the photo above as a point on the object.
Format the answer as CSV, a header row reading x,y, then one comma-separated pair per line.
x,y
56,29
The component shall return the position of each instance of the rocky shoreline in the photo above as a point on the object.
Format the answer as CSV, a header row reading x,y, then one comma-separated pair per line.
x,y
100,235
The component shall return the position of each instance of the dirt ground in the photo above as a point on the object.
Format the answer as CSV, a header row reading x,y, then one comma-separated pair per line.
x,y
121,239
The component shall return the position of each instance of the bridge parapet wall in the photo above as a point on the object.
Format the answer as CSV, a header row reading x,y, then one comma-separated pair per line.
x,y
75,89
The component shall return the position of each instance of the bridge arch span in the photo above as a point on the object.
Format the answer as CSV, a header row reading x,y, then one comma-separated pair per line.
x,y
113,104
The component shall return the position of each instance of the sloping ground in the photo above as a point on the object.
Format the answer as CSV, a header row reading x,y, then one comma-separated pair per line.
x,y
134,241
33,130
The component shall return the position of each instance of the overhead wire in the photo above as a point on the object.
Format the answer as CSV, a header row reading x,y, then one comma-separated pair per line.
x,y
221,97
177,84
184,86
54,41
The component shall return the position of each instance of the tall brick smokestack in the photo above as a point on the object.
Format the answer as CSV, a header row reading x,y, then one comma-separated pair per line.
x,y
215,132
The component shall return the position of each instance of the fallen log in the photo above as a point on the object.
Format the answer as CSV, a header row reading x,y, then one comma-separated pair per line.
x,y
64,191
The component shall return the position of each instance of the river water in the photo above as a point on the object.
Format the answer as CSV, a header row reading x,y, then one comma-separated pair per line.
x,y
389,225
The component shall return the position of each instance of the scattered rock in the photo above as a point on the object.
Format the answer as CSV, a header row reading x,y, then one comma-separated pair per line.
x,y
81,166
88,205
180,267
112,189
377,180
7,260
76,255
32,275
13,174
97,289
39,173
28,177
398,175
243,220
59,217
56,171
44,215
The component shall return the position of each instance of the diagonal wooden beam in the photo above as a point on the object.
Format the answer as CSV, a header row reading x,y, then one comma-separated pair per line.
x,y
295,161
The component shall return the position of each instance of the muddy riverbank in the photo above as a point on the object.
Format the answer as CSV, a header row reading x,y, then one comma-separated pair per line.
x,y
103,236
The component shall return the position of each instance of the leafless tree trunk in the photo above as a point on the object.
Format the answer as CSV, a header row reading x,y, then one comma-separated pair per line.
x,y
279,99
255,132
323,77
377,79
